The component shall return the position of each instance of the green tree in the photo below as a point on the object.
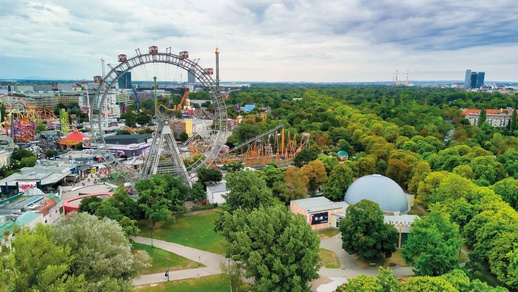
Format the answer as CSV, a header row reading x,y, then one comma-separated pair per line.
x,y
183,136
198,193
513,125
233,166
130,119
277,247
40,127
508,189
429,284
433,245
305,156
160,196
36,263
51,153
387,281
101,252
339,181
248,191
482,118
271,175
209,175
363,283
364,232
90,204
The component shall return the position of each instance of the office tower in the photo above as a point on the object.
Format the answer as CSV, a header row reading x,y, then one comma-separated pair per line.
x,y
473,80
467,79
480,79
191,78
125,80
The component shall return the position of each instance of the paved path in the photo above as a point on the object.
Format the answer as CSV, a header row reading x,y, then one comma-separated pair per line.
x,y
211,261
349,268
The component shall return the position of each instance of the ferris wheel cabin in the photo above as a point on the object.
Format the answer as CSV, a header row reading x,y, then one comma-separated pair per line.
x,y
184,55
208,71
122,58
98,79
153,50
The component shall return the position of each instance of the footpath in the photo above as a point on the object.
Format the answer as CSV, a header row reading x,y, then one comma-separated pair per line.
x,y
211,261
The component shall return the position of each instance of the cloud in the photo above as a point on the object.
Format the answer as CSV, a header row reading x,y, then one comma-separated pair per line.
x,y
268,40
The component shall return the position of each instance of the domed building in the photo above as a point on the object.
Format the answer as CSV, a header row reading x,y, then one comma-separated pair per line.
x,y
380,189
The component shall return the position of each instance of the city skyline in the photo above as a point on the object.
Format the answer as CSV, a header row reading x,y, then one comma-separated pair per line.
x,y
266,41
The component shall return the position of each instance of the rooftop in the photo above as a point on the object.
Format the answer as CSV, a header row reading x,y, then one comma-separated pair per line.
x,y
317,204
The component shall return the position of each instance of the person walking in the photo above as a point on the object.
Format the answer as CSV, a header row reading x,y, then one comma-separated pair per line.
x,y
167,274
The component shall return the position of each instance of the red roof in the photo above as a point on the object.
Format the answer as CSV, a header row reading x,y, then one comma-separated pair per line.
x,y
46,206
75,136
467,111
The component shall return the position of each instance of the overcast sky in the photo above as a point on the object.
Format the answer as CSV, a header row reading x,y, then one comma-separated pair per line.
x,y
263,40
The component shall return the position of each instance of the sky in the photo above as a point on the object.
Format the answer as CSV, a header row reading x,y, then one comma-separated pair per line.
x,y
263,40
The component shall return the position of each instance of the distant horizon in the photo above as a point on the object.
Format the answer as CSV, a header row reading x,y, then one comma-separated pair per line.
x,y
273,82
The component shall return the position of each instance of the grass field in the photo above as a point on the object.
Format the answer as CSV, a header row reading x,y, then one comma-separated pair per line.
x,y
210,283
194,230
329,259
162,259
327,233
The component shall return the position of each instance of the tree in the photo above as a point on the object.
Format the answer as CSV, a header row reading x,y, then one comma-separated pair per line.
x,y
316,173
433,245
90,204
340,179
248,191
482,118
209,175
130,119
271,175
363,283
295,176
233,273
277,247
198,193
40,128
36,263
160,196
51,153
100,251
508,189
233,166
183,136
364,232
513,125
305,156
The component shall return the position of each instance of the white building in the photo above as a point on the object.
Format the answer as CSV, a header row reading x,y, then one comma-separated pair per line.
x,y
215,193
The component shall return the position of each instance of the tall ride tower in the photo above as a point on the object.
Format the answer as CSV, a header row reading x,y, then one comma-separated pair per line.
x,y
217,67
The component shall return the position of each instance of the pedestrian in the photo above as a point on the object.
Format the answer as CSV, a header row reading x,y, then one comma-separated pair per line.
x,y
167,274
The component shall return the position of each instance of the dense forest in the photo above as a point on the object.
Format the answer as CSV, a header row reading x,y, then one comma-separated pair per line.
x,y
418,138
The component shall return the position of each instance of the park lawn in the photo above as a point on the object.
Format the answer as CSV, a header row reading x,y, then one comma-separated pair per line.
x,y
209,283
329,259
162,259
327,233
396,258
194,230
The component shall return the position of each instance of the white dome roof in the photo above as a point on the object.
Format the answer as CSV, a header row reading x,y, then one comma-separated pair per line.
x,y
380,189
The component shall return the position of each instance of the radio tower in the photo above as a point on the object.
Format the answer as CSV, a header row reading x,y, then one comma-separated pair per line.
x,y
397,82
217,67
103,67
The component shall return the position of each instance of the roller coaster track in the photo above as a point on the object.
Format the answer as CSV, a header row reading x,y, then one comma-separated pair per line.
x,y
257,137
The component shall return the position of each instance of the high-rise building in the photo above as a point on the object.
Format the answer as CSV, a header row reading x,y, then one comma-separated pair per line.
x,y
191,78
125,80
480,79
474,79
467,80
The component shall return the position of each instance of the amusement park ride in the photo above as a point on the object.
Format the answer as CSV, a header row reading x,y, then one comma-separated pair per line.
x,y
164,155
22,117
202,148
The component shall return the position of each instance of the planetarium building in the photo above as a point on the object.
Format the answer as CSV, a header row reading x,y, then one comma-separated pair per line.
x,y
380,189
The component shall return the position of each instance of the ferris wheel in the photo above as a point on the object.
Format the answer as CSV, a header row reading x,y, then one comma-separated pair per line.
x,y
164,155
